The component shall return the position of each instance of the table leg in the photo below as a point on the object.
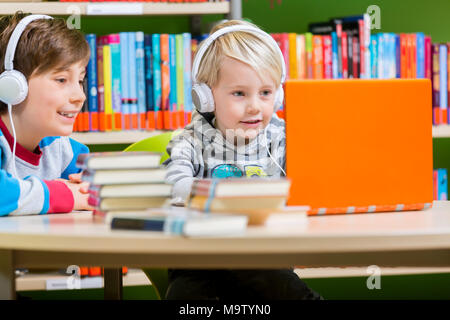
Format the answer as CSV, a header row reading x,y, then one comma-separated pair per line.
x,y
113,283
7,276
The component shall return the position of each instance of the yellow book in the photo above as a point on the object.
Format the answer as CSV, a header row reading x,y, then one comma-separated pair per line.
x,y
108,87
301,57
293,70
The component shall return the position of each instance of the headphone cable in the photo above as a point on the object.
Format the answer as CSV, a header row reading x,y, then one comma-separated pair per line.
x,y
13,158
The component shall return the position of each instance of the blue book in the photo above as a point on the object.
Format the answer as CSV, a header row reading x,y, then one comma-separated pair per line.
x,y
157,90
116,100
92,83
420,55
140,79
125,80
397,56
442,184
173,75
392,56
148,72
187,72
374,56
334,55
132,76
443,76
181,221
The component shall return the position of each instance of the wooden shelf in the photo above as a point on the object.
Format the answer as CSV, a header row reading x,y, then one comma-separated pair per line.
x,y
441,131
136,277
115,8
113,137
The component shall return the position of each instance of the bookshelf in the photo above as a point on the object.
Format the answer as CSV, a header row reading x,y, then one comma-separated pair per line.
x,y
117,8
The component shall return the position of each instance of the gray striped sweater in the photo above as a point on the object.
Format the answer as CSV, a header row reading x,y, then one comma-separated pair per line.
x,y
201,151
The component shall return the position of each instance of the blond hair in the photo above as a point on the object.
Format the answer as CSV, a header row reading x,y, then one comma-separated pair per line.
x,y
245,46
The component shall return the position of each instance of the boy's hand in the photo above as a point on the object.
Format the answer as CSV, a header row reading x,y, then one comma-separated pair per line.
x,y
80,194
75,177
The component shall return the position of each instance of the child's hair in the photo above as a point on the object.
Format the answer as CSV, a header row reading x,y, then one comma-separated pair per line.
x,y
44,45
247,47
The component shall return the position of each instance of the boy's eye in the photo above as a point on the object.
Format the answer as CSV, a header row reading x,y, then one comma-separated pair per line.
x,y
61,80
266,92
238,93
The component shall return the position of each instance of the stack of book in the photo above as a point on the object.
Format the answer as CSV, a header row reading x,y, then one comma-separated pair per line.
x,y
124,181
440,184
262,200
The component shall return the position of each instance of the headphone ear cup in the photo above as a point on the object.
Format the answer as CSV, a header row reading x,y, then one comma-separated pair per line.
x,y
13,87
202,97
279,98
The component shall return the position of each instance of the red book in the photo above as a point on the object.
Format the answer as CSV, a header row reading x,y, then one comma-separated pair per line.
x,y
327,57
355,48
403,56
95,271
100,84
317,57
428,68
165,81
362,64
413,55
344,56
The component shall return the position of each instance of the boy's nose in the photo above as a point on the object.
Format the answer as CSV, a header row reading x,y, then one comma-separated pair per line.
x,y
77,96
253,105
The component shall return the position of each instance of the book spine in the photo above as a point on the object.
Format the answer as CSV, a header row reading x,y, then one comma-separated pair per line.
x,y
108,87
428,68
367,40
100,85
381,59
327,57
339,48
92,82
140,74
317,57
132,76
356,64
157,80
435,185
420,52
436,76
284,46
179,51
443,104
114,42
165,80
448,82
334,48
392,56
187,79
413,55
397,57
124,81
403,54
309,55
293,55
362,65
344,55
151,124
350,54
301,58
373,208
442,184
174,118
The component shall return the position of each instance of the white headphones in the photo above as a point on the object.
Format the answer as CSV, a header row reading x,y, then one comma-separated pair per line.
x,y
13,84
202,96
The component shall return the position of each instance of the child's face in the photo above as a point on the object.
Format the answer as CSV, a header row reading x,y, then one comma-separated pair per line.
x,y
243,100
54,99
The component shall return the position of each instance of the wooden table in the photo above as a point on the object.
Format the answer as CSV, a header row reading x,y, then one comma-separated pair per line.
x,y
413,238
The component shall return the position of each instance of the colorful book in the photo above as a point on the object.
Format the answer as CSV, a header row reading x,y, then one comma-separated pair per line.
x,y
443,103
309,55
157,81
130,190
100,84
334,55
301,58
132,78
174,118
187,80
165,80
436,85
125,81
114,43
428,59
181,221
107,85
92,97
317,57
327,57
179,51
140,80
293,68
420,55
121,176
344,55
151,124
107,205
442,188
374,55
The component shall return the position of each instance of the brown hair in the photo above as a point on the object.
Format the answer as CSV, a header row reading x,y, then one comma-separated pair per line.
x,y
44,45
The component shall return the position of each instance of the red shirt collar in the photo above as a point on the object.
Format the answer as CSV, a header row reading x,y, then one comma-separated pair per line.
x,y
24,154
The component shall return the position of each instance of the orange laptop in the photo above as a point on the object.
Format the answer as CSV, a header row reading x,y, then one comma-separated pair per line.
x,y
359,145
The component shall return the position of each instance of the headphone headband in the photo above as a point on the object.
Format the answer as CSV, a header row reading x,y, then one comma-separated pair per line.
x,y
15,36
222,31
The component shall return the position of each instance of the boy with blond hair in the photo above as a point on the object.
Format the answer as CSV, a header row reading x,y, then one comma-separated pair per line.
x,y
238,73
37,159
